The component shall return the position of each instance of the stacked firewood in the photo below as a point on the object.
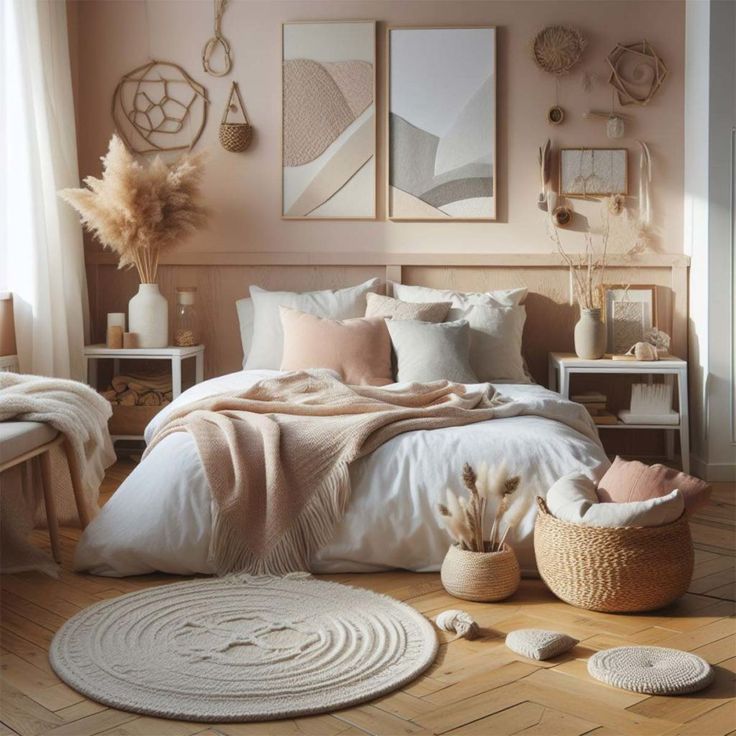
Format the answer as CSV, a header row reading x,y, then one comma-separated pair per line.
x,y
139,389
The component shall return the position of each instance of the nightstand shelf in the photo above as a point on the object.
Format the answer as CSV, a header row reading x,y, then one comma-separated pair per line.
x,y
174,355
563,365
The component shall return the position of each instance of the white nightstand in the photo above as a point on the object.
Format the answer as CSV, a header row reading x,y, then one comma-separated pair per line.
x,y
174,355
563,365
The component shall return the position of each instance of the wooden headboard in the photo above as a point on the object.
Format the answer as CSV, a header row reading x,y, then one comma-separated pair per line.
x,y
222,278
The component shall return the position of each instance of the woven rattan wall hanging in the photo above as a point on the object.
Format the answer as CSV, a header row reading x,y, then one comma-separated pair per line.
x,y
556,50
235,137
637,72
217,41
159,107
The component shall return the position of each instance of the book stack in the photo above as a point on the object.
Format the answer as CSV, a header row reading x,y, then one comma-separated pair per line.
x,y
596,403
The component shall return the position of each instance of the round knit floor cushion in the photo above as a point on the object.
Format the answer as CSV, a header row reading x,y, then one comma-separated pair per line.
x,y
243,648
651,670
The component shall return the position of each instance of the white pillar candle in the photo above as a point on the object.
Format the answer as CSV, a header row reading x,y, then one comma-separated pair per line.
x,y
116,319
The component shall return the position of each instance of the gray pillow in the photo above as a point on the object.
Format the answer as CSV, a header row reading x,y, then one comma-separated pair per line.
x,y
431,352
386,306
495,341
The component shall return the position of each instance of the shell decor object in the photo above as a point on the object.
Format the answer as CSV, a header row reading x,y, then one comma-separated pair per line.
x,y
459,623
637,72
556,49
643,351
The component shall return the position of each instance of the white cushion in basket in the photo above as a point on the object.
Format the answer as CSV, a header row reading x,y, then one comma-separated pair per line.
x,y
573,498
539,643
260,320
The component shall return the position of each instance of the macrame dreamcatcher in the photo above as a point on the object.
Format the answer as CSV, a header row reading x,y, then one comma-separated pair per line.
x,y
159,107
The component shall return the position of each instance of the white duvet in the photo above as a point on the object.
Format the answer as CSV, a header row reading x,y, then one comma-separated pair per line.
x,y
159,519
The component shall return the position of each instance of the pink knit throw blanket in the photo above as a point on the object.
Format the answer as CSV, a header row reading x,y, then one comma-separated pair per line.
x,y
276,456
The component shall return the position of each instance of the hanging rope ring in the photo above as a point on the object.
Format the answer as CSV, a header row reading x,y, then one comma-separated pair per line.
x,y
209,49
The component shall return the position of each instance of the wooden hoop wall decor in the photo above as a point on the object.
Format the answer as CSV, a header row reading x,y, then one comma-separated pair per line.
x,y
217,40
637,72
155,103
235,137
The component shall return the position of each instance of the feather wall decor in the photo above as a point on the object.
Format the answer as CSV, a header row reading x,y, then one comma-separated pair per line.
x,y
645,183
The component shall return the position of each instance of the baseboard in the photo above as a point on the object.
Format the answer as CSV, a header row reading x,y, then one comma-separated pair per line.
x,y
714,472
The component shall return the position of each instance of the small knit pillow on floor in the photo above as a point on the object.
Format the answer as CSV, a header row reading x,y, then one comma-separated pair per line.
x,y
538,643
651,670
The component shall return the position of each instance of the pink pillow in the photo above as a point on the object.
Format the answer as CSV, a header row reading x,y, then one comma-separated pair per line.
x,y
358,349
630,480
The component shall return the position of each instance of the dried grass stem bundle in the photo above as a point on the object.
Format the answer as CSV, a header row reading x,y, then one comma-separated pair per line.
x,y
464,519
139,210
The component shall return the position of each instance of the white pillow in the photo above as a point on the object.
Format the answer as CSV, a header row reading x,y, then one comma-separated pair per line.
x,y
427,351
495,341
573,498
244,308
267,340
460,299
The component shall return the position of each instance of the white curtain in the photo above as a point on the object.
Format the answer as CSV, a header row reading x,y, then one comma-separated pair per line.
x,y
41,248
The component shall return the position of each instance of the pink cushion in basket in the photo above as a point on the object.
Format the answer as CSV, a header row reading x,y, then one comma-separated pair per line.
x,y
358,349
630,480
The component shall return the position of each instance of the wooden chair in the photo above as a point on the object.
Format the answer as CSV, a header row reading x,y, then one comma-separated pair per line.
x,y
22,441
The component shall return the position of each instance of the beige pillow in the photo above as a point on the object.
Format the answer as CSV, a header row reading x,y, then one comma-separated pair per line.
x,y
358,349
573,498
631,480
386,306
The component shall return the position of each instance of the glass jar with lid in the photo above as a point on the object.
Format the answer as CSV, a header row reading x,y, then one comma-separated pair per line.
x,y
186,321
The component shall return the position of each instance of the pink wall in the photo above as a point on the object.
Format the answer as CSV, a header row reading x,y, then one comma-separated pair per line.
x,y
111,37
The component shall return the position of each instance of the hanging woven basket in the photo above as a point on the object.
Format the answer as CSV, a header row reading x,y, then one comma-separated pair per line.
x,y
235,137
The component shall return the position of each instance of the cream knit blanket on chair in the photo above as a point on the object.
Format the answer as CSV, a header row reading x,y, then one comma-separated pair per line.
x,y
276,456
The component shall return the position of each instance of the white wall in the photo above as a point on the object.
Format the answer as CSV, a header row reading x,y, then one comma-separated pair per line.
x,y
710,118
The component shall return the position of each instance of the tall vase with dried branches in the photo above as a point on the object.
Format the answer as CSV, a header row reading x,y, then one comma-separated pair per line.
x,y
139,210
588,271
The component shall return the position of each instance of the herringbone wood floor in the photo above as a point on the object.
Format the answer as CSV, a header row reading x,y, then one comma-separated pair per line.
x,y
474,687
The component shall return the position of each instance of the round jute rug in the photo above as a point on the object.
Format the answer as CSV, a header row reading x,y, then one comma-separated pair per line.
x,y
242,648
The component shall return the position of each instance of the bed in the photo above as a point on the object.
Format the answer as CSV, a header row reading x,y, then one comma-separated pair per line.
x,y
159,519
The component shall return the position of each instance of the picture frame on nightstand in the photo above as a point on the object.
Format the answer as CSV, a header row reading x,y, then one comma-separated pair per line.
x,y
629,311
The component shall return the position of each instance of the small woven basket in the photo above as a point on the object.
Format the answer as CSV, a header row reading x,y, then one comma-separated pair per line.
x,y
619,570
480,576
235,137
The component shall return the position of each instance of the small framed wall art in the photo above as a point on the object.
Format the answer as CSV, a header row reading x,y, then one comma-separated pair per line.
x,y
441,123
593,172
328,120
630,311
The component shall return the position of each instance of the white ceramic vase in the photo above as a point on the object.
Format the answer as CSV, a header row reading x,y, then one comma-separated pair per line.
x,y
590,335
148,317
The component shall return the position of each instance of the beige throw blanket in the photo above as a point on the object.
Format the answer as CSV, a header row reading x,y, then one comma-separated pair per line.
x,y
276,456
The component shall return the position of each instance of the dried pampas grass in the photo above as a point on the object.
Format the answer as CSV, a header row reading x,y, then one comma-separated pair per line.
x,y
139,210
464,519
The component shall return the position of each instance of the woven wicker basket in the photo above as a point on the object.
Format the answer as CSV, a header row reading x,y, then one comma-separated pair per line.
x,y
480,576
235,137
618,570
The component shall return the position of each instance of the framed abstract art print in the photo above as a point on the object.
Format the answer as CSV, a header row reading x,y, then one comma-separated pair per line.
x,y
442,124
630,310
328,120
